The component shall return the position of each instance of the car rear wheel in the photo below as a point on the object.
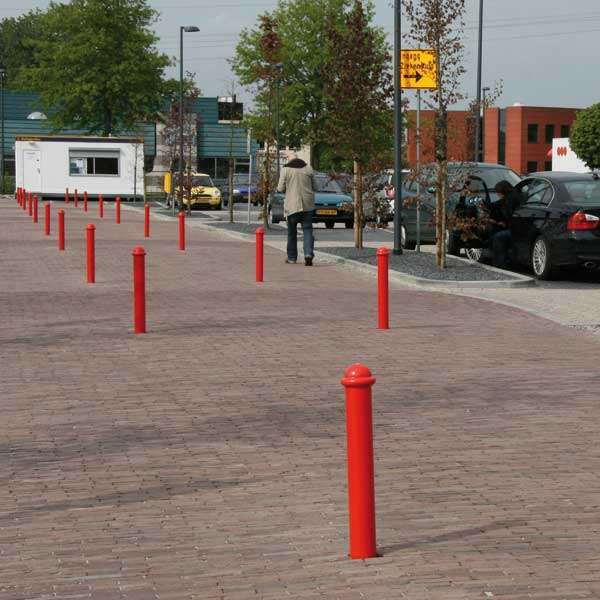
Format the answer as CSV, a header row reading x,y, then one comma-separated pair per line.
x,y
474,254
330,224
541,264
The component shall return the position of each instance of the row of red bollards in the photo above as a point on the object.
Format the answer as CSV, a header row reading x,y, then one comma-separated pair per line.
x,y
357,379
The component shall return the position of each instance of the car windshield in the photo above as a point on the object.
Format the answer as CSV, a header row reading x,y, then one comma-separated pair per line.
x,y
202,180
242,179
328,185
585,193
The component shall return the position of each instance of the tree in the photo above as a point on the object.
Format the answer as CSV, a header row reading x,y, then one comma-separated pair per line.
x,y
302,50
15,48
96,65
585,136
439,25
358,97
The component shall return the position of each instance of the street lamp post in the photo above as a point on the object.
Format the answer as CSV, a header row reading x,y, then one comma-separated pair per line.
x,y
187,29
2,74
482,151
478,101
397,133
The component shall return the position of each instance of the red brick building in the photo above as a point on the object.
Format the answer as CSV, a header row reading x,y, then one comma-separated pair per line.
x,y
517,136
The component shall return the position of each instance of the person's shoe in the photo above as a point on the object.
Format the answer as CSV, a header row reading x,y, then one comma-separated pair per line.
x,y
308,261
290,262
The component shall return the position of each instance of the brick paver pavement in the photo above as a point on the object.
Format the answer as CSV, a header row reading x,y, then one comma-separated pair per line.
x,y
206,459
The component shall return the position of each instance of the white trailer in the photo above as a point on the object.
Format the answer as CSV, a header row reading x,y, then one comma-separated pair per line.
x,y
107,166
565,159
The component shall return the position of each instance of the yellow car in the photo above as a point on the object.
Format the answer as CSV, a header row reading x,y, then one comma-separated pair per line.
x,y
204,194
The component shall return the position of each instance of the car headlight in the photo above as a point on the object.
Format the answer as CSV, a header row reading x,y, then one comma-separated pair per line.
x,y
236,191
217,193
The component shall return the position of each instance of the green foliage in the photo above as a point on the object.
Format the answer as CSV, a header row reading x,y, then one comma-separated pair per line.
x,y
294,34
15,49
585,136
96,66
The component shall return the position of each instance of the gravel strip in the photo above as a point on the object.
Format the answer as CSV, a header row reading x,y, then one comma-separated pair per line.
x,y
421,264
249,229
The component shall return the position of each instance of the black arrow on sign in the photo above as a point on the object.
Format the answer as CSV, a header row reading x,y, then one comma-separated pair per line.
x,y
416,76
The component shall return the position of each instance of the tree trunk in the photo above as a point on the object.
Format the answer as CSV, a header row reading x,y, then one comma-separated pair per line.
x,y
267,185
358,216
441,151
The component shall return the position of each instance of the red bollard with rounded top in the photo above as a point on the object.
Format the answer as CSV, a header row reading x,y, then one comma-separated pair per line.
x,y
118,210
30,205
35,209
67,196
358,382
90,233
85,201
146,220
139,290
47,218
383,291
182,230
260,243
61,229
101,206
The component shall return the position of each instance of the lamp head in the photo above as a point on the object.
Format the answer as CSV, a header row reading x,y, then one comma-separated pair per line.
x,y
191,29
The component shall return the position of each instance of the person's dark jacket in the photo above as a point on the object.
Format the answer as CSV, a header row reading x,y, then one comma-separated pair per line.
x,y
502,211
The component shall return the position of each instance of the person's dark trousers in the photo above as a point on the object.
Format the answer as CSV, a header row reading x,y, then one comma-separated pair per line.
x,y
305,218
500,247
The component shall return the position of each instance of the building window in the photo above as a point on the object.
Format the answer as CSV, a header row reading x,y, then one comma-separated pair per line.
x,y
94,163
531,166
548,165
502,137
229,110
549,133
532,133
565,131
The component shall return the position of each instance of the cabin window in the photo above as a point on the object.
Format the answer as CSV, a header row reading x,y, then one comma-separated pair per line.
x,y
103,163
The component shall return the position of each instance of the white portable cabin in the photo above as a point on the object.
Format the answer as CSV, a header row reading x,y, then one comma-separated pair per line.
x,y
107,166
565,159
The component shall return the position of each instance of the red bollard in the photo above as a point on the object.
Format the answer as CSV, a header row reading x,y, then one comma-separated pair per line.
x,y
47,218
146,220
383,296
101,207
35,209
91,253
67,196
182,231
358,381
61,229
30,205
118,210
85,201
260,238
139,290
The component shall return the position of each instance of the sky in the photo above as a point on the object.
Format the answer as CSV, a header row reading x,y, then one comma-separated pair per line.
x,y
544,51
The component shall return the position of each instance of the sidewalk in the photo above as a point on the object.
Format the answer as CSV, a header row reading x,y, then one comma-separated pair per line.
x,y
206,459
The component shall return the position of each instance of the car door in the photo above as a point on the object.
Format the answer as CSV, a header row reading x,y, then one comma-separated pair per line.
x,y
532,217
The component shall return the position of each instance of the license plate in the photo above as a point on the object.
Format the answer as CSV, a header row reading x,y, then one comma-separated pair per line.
x,y
326,212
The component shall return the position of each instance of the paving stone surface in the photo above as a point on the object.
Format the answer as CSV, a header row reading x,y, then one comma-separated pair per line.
x,y
206,459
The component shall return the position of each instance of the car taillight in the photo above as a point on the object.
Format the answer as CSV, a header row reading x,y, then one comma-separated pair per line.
x,y
581,221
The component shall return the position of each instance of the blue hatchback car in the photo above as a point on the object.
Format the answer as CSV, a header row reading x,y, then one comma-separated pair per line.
x,y
332,205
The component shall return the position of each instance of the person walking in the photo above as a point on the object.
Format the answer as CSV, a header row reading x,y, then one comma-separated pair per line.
x,y
299,184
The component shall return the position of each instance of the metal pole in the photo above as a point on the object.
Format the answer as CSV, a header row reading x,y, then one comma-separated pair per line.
x,y
418,170
397,133
478,101
180,121
249,148
2,131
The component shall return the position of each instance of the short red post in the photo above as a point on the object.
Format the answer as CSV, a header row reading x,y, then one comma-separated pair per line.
x,y
383,295
182,230
358,381
30,205
146,220
35,209
90,233
67,196
61,229
260,242
75,196
118,211
47,218
101,207
139,290
85,201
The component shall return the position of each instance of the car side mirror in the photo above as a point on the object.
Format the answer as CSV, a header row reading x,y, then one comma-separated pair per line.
x,y
431,190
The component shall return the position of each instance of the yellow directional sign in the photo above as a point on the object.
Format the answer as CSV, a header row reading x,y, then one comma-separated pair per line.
x,y
418,69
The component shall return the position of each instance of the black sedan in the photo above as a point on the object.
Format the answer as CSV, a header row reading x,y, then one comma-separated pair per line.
x,y
558,223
